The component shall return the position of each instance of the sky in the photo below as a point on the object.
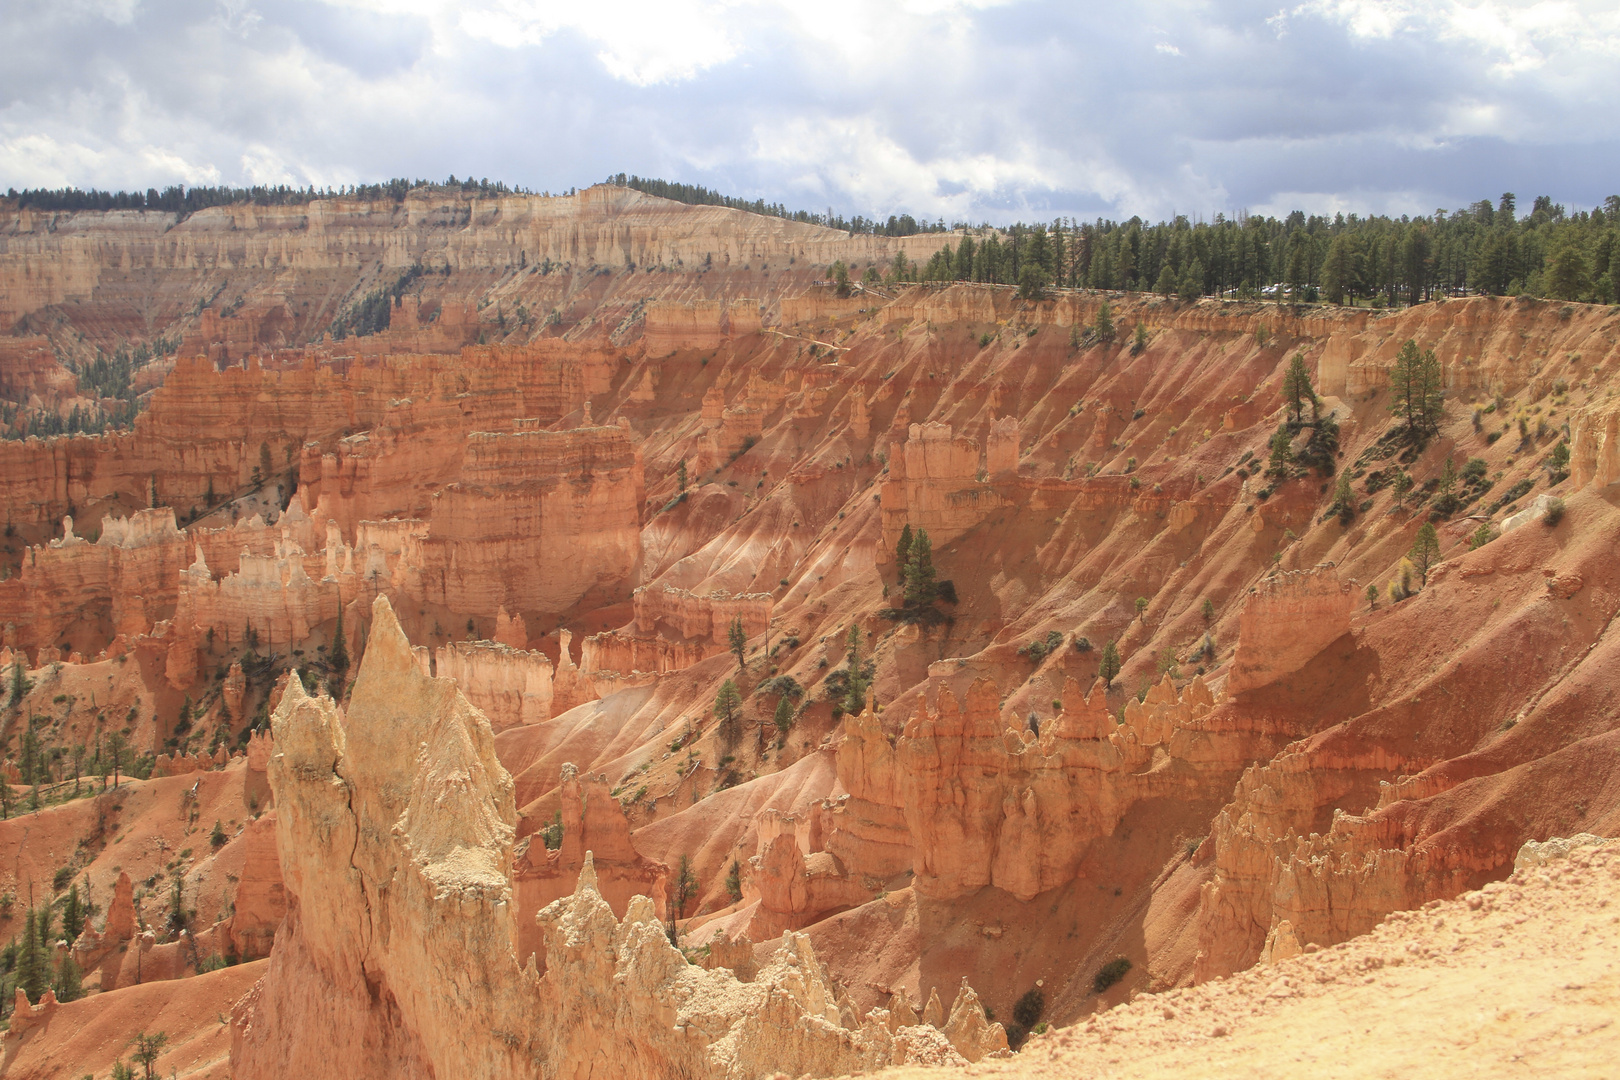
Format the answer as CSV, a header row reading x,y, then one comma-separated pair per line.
x,y
966,110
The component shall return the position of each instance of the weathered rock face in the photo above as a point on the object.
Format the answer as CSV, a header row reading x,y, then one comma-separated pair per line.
x,y
368,439
934,484
1595,445
593,828
987,804
535,520
29,373
1291,619
509,686
698,324
707,616
397,956
73,590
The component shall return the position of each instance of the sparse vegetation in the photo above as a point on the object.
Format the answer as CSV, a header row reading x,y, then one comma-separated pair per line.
x,y
1110,973
1425,553
1108,667
728,710
1038,650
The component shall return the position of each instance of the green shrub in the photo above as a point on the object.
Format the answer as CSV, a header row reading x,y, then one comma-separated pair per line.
x,y
1110,973
1553,514
1030,1008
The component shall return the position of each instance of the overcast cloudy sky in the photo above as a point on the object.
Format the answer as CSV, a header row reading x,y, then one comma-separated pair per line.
x,y
965,109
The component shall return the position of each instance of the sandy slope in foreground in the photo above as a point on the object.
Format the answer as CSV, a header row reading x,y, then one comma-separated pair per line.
x,y
1519,979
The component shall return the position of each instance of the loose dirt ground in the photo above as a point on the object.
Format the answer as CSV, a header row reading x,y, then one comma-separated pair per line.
x,y
1519,979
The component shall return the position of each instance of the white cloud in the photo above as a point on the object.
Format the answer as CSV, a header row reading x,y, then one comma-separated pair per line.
x,y
966,109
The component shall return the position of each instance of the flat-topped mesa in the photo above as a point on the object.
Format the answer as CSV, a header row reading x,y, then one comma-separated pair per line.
x,y
536,520
394,826
1285,623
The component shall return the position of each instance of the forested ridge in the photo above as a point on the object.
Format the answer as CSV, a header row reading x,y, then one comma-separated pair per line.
x,y
177,199
1487,247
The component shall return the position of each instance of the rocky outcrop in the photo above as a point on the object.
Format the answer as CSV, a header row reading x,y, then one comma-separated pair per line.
x,y
707,616
593,827
535,520
397,955
987,804
1594,457
87,592
698,324
509,686
934,483
1285,623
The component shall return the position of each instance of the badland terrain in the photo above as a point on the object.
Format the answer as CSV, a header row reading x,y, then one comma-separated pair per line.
x,y
573,637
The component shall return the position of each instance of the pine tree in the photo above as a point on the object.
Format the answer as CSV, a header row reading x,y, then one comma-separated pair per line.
x,y
737,641
72,914
1405,398
1446,493
1417,390
338,658
1297,390
1140,341
1344,499
686,886
68,983
734,881
1568,277
1336,271
1166,285
1192,281
727,702
1280,465
784,715
902,550
148,1048
840,278
921,589
680,478
1431,384
20,684
1031,282
1105,322
1108,664
33,972
1402,487
1425,552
